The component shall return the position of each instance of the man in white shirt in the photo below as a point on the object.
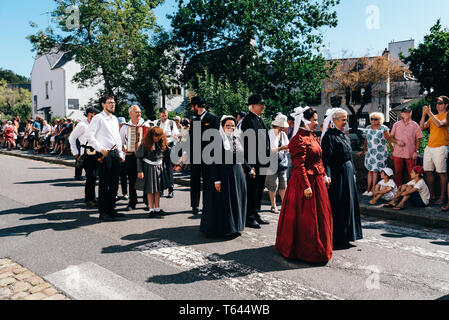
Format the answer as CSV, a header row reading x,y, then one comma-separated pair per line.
x,y
171,131
88,153
130,160
104,136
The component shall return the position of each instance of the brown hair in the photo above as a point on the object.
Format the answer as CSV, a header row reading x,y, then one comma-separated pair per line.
x,y
148,141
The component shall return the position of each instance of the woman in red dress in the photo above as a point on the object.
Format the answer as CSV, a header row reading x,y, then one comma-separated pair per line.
x,y
305,223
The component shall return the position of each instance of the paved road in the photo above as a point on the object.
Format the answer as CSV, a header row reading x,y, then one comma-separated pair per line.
x,y
45,227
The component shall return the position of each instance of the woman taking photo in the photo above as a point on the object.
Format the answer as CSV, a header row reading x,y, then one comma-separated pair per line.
x,y
224,211
305,223
150,156
337,159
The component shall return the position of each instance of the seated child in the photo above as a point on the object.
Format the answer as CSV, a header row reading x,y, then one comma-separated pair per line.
x,y
416,191
386,188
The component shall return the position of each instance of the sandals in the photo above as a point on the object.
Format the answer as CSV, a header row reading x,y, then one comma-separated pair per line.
x,y
389,205
274,210
398,208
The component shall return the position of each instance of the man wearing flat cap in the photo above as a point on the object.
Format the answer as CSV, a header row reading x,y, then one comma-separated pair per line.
x,y
406,136
198,170
253,121
88,154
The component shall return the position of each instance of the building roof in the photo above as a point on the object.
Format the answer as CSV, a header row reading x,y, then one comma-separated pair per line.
x,y
57,59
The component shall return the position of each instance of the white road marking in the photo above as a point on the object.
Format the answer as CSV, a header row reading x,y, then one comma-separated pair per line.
x,y
238,277
90,281
344,263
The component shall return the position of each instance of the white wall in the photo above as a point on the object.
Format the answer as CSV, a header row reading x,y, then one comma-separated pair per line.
x,y
41,74
74,92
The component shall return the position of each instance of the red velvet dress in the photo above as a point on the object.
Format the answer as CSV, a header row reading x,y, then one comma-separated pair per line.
x,y
305,226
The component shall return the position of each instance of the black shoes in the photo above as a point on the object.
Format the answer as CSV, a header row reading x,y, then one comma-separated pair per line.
x,y
261,221
253,225
130,208
115,214
91,204
106,217
152,214
195,211
170,195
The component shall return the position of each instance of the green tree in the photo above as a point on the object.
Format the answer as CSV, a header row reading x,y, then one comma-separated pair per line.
x,y
11,77
271,46
429,62
222,98
14,102
112,43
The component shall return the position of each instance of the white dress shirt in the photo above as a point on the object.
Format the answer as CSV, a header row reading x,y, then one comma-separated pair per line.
x,y
124,131
78,133
103,133
167,128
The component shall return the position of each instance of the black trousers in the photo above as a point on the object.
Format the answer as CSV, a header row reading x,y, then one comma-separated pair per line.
x,y
131,169
169,169
109,174
255,189
124,178
78,172
198,172
90,167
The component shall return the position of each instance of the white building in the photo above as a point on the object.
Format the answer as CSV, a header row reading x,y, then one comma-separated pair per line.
x,y
52,90
55,95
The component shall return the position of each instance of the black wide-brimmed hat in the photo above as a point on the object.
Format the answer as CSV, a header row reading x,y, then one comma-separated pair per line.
x,y
197,101
256,99
92,110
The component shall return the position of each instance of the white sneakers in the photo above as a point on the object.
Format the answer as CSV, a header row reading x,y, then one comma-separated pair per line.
x,y
367,194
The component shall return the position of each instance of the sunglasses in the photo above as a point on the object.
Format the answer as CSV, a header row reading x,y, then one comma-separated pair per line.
x,y
375,119
439,102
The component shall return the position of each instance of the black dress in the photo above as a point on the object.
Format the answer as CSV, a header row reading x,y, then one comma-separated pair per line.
x,y
224,213
337,160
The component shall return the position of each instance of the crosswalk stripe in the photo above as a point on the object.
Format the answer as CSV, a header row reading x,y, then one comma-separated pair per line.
x,y
238,277
90,281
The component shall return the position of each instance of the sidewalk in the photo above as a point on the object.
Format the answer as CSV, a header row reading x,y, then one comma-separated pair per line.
x,y
431,216
19,283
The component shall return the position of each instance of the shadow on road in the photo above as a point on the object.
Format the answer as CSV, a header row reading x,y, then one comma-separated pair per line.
x,y
443,240
234,264
51,182
52,211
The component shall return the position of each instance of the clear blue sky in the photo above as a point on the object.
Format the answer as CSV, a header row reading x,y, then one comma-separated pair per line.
x,y
398,20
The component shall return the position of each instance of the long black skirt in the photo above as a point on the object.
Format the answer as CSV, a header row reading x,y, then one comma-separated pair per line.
x,y
345,204
224,213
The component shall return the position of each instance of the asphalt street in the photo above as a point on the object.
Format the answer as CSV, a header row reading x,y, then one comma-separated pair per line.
x,y
45,227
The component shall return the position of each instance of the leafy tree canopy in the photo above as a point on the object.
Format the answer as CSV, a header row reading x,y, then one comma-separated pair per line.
x,y
429,62
271,46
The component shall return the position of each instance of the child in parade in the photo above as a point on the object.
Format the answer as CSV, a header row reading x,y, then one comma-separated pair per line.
x,y
150,168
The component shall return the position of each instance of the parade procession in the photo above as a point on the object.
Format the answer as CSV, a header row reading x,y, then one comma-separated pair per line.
x,y
207,151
